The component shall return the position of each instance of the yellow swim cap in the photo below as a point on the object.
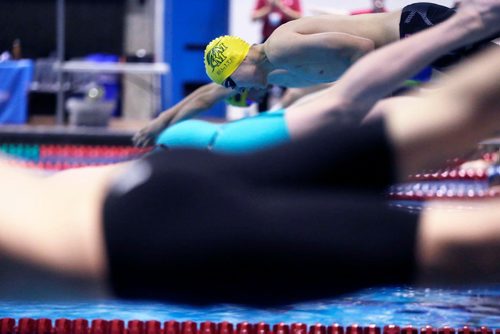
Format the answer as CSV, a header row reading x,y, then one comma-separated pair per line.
x,y
223,55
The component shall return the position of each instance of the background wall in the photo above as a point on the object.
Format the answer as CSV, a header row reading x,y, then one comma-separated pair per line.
x,y
92,26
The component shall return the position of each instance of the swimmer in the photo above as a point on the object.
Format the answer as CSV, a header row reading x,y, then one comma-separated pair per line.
x,y
357,94
318,49
202,99
316,40
150,228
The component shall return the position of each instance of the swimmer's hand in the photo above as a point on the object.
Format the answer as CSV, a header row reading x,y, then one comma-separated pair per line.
x,y
485,12
148,134
203,98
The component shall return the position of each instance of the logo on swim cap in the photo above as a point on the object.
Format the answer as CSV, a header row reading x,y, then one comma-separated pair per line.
x,y
223,55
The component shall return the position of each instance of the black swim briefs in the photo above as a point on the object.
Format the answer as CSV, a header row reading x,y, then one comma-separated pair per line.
x,y
422,15
302,221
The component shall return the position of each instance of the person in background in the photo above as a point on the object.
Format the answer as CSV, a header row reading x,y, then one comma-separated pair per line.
x,y
272,14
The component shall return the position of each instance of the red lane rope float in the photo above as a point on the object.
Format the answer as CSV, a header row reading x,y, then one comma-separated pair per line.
x,y
86,151
61,157
457,169
454,174
116,326
409,192
465,180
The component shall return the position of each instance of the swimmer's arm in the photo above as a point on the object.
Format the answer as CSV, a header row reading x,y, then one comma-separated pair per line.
x,y
379,73
198,101
203,98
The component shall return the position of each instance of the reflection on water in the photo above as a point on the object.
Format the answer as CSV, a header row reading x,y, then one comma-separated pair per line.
x,y
401,306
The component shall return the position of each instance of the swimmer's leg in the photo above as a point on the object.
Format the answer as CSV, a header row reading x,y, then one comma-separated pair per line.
x,y
459,246
54,221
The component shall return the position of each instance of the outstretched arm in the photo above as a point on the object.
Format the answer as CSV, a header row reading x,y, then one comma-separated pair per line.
x,y
198,101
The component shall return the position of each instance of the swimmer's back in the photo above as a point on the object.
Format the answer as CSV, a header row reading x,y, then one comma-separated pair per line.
x,y
381,28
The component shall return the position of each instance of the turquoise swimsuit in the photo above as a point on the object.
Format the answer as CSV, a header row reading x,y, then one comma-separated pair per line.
x,y
241,136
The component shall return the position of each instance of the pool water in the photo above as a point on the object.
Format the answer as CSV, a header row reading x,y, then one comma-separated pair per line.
x,y
382,306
